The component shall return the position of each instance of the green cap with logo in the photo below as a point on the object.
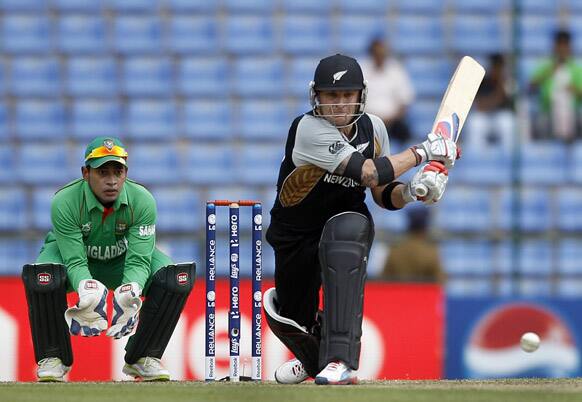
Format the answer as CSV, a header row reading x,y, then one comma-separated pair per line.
x,y
105,149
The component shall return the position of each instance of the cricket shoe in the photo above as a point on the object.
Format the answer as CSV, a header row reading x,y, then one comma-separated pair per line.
x,y
291,372
336,373
147,369
51,369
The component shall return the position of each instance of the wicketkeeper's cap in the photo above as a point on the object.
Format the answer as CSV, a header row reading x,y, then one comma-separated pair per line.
x,y
105,149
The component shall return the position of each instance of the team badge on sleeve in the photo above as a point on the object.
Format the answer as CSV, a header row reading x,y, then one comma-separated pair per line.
x,y
336,147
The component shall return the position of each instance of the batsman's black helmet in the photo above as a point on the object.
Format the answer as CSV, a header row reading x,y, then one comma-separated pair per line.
x,y
338,72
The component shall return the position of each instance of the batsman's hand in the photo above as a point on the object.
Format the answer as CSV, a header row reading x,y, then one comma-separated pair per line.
x,y
88,317
430,181
126,306
437,148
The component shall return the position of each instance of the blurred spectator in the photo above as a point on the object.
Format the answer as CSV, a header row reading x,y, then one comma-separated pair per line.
x,y
415,258
390,91
492,121
559,84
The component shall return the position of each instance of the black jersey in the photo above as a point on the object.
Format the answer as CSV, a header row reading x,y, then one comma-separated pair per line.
x,y
308,192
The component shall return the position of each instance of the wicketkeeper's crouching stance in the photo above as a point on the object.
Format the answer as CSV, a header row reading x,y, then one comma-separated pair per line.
x,y
103,237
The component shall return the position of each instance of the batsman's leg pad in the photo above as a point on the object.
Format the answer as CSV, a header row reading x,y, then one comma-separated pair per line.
x,y
164,302
46,294
343,255
303,344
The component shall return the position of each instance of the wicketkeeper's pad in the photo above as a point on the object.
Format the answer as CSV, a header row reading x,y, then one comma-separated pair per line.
x,y
46,294
158,317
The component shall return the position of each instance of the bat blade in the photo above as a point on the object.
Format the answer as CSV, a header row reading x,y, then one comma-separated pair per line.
x,y
456,103
458,98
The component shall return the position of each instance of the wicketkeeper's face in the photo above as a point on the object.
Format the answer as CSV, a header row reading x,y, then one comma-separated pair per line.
x,y
338,107
106,181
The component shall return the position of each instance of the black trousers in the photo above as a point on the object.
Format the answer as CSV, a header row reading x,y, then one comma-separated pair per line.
x,y
297,272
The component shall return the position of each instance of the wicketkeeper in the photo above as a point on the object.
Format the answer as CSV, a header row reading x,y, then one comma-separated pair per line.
x,y
103,237
321,229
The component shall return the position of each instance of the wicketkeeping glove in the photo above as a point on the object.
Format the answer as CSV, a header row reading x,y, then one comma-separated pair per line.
x,y
126,306
431,180
88,317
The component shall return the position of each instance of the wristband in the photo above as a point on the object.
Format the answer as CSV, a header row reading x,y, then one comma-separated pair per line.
x,y
387,196
417,156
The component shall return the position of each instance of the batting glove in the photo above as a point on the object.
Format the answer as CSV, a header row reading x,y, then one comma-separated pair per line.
x,y
88,317
437,148
126,306
430,180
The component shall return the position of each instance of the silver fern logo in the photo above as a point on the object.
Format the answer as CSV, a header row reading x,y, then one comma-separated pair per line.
x,y
361,147
338,76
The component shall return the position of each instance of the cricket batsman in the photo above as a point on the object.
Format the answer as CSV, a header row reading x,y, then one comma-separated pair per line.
x,y
103,238
321,229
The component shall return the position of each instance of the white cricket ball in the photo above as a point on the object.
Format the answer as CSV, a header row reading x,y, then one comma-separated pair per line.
x,y
530,342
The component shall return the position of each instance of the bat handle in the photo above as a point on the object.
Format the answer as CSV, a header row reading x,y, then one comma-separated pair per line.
x,y
420,190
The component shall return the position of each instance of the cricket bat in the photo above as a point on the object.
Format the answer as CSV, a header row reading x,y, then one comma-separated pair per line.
x,y
456,103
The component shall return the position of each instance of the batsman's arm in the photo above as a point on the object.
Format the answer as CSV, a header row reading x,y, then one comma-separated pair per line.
x,y
384,169
378,171
389,196
69,238
323,146
141,240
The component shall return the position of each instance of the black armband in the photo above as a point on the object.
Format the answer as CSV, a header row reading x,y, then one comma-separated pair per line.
x,y
385,170
387,196
354,166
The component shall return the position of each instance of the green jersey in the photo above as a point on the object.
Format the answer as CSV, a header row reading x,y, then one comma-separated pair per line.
x,y
88,235
547,86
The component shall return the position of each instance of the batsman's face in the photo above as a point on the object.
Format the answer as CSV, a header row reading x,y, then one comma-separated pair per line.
x,y
106,181
338,107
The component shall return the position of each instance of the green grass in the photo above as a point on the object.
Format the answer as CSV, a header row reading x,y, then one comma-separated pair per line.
x,y
531,390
